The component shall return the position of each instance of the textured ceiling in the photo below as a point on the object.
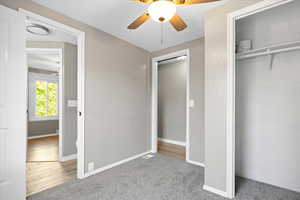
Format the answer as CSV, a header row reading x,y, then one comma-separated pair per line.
x,y
113,17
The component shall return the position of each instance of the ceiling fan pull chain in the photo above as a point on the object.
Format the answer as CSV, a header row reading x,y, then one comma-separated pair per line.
x,y
162,34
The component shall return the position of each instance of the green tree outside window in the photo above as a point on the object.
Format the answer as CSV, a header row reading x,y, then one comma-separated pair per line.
x,y
52,99
46,99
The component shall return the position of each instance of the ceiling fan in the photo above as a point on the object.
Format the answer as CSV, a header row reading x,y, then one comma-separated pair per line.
x,y
164,11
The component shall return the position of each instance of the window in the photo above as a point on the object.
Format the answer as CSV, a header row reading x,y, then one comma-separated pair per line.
x,y
46,99
43,97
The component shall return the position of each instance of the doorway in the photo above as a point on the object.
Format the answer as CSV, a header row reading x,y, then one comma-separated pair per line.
x,y
170,135
45,95
235,99
52,106
80,40
14,93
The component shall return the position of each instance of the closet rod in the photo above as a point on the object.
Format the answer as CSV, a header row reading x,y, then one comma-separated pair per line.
x,y
268,52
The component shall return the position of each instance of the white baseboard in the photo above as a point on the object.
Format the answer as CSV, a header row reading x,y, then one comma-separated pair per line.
x,y
42,136
195,163
172,141
114,164
215,191
66,158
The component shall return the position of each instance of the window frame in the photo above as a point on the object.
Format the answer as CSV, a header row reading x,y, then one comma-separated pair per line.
x,y
33,78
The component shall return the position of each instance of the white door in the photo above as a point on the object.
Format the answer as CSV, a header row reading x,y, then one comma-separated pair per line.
x,y
13,85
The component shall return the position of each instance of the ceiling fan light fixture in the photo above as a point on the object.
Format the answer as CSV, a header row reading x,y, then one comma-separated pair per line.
x,y
162,11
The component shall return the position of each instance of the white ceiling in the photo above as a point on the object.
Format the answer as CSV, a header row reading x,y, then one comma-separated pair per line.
x,y
55,34
113,17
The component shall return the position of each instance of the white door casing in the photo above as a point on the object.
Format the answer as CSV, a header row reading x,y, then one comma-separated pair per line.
x,y
13,98
81,83
154,103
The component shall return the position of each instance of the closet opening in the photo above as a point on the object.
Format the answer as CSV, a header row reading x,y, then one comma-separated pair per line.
x,y
170,110
263,97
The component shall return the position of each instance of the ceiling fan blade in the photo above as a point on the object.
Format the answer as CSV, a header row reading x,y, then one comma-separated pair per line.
x,y
143,1
189,2
139,21
178,23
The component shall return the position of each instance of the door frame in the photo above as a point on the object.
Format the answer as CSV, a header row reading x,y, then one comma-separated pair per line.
x,y
60,96
154,99
231,85
80,35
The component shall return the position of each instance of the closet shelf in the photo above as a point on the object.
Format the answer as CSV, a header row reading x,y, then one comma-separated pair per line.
x,y
269,50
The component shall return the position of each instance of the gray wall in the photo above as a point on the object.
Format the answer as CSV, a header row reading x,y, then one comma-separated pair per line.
x,y
196,48
172,100
267,101
215,91
117,94
38,128
70,93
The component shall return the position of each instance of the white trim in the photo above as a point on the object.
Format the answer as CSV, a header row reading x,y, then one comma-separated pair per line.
x,y
230,144
230,85
216,191
80,83
61,112
256,8
81,105
42,136
196,163
169,61
67,158
154,103
62,27
115,164
172,141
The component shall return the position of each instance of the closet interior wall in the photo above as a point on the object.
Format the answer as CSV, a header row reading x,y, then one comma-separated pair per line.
x,y
268,100
172,100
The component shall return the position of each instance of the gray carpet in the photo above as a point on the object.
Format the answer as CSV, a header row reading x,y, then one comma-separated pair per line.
x,y
158,178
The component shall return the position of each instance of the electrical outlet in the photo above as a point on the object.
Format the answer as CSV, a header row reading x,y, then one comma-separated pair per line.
x,y
91,166
192,103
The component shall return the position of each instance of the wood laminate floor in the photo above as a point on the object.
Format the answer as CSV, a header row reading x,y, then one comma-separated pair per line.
x,y
172,150
42,149
44,171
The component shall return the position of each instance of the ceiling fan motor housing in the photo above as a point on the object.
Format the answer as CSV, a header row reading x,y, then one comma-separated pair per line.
x,y
162,11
